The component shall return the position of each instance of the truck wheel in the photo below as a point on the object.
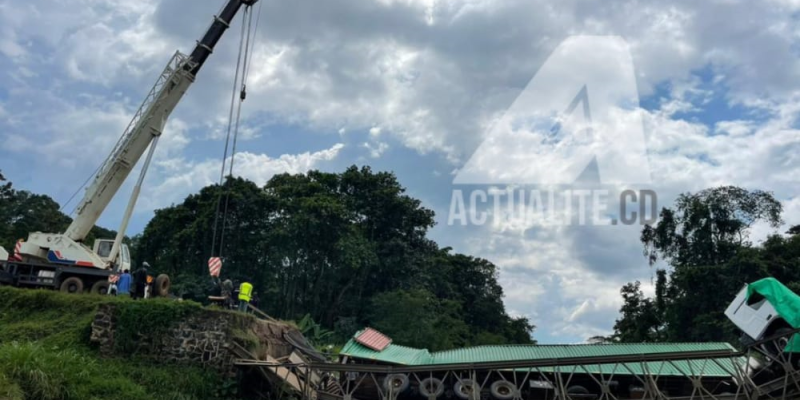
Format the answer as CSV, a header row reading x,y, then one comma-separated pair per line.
x,y
466,389
395,383
777,346
431,387
72,284
162,285
577,389
503,390
100,287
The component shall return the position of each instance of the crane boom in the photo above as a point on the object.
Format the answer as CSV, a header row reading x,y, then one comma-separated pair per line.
x,y
148,123
145,127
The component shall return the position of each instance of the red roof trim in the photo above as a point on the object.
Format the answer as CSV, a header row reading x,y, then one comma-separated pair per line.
x,y
373,339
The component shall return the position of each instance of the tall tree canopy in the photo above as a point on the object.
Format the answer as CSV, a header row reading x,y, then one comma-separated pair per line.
x,y
349,249
704,239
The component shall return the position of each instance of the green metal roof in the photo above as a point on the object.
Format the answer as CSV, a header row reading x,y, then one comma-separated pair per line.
x,y
706,368
393,353
535,352
397,354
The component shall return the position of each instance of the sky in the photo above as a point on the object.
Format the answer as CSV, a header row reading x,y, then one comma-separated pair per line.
x,y
417,87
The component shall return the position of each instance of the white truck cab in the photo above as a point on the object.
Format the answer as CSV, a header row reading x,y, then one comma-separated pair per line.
x,y
102,247
755,317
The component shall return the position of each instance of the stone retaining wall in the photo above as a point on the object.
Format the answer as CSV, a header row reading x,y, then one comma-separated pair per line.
x,y
207,338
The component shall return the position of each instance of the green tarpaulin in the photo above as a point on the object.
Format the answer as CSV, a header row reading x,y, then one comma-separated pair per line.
x,y
786,303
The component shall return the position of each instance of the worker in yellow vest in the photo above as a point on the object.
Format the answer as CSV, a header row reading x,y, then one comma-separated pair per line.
x,y
245,292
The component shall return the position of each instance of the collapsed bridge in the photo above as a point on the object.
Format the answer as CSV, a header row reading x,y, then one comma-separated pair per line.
x,y
666,371
370,366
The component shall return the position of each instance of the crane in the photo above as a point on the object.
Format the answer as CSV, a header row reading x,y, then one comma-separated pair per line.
x,y
67,249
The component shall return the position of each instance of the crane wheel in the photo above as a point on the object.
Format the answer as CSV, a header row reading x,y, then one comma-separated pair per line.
x,y
100,287
162,285
72,284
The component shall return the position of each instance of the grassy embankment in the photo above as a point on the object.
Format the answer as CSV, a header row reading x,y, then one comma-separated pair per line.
x,y
45,353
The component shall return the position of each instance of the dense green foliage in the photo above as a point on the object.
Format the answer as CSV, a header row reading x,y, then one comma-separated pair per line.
x,y
45,352
704,238
343,248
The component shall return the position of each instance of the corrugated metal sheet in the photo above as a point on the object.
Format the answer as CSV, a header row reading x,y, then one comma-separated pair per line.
x,y
705,368
373,339
535,352
396,354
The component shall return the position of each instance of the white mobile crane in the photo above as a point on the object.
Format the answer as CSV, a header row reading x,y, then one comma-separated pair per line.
x,y
61,260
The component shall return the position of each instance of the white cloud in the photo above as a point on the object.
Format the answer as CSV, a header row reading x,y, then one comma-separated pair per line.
x,y
375,150
734,128
180,178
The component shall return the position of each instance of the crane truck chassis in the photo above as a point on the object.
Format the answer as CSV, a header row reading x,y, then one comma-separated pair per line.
x,y
61,260
66,278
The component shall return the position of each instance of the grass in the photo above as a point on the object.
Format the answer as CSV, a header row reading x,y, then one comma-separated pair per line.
x,y
45,352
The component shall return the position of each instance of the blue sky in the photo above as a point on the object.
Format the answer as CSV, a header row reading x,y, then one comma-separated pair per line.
x,y
410,86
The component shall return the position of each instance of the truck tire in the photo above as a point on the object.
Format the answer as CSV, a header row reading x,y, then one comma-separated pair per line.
x,y
777,346
162,285
577,389
504,390
73,284
100,287
431,388
465,389
396,382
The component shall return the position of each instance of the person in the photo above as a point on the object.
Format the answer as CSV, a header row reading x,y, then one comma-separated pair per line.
x,y
124,283
245,290
227,292
140,281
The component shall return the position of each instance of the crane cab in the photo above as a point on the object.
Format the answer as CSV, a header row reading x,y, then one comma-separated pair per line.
x,y
102,247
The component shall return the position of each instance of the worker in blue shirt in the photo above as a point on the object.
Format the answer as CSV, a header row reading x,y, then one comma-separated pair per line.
x,y
124,283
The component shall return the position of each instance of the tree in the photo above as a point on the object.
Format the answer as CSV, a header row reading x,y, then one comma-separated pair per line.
x,y
708,227
333,246
704,238
639,322
416,318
